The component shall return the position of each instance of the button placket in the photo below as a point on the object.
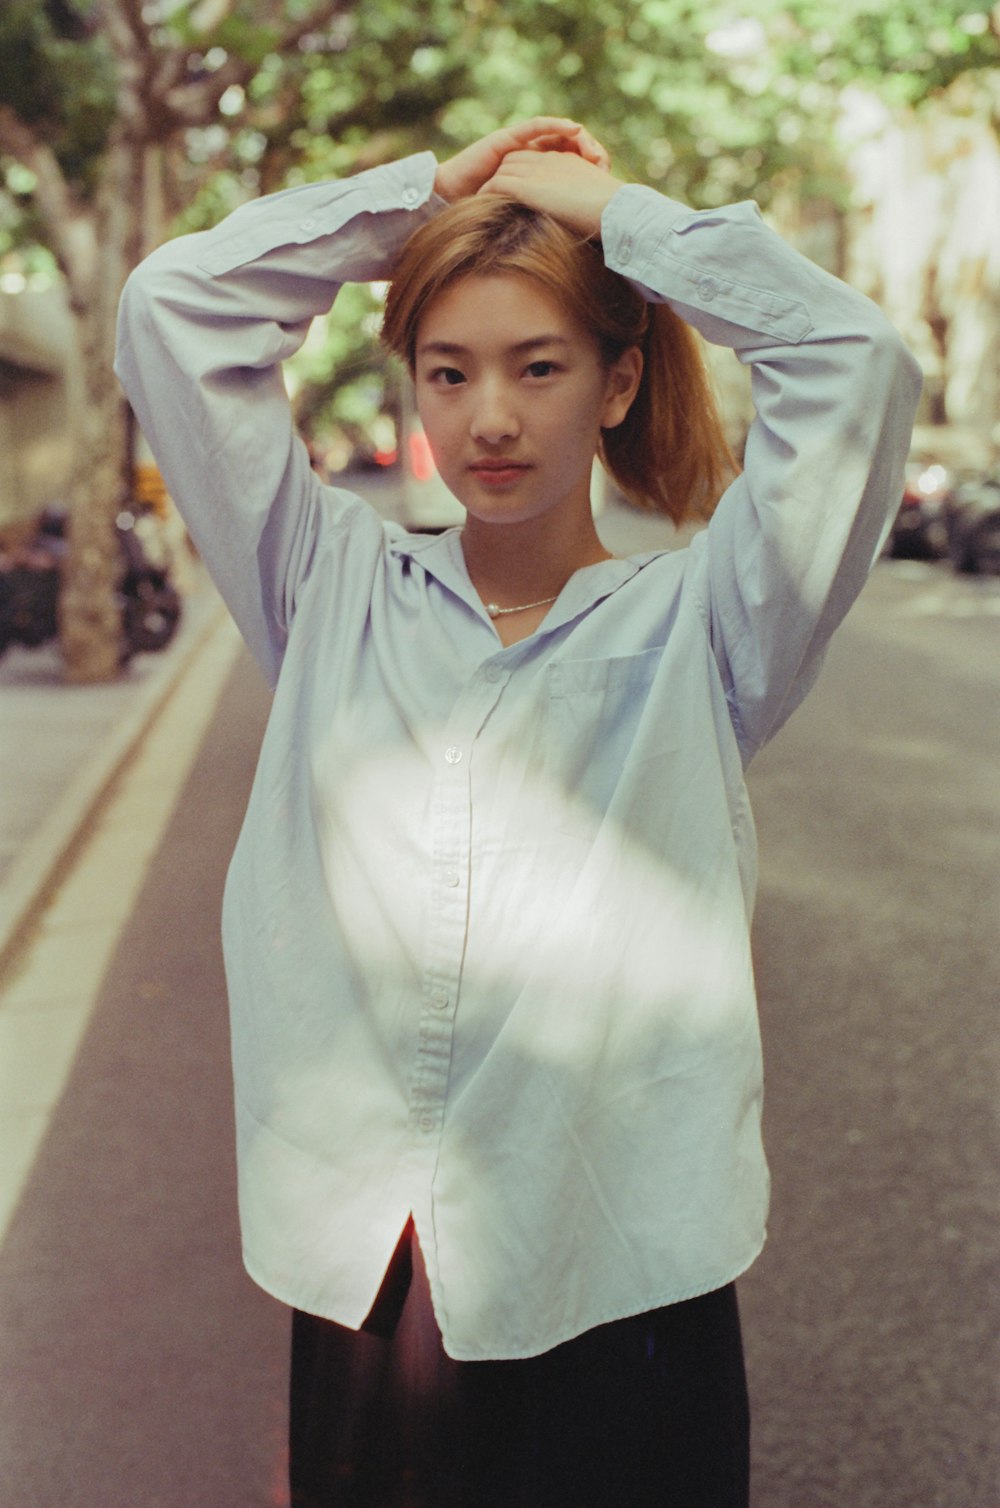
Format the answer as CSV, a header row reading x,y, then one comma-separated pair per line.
x,y
446,938
448,916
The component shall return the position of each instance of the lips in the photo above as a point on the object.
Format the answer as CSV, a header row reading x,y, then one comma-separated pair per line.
x,y
498,471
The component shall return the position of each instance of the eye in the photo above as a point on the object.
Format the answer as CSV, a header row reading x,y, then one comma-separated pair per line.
x,y
446,376
542,369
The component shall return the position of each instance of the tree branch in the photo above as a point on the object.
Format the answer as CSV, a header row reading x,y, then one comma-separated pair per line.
x,y
196,103
206,17
321,15
130,41
208,14
126,30
61,214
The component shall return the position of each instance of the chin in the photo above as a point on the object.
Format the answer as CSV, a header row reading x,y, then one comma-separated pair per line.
x,y
500,515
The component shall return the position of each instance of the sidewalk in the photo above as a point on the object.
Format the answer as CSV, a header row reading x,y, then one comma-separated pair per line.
x,y
62,746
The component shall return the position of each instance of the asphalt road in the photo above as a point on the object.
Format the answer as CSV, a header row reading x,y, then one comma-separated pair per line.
x,y
873,1316
142,1370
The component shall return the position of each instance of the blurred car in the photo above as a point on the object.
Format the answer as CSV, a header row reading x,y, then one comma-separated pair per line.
x,y
920,531
972,521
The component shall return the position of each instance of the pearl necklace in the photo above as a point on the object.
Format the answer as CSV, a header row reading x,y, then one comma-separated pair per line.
x,y
501,612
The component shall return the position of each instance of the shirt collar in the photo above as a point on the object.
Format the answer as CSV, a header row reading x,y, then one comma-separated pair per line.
x,y
442,557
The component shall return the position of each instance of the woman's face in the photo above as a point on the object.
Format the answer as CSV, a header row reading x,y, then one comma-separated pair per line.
x,y
513,396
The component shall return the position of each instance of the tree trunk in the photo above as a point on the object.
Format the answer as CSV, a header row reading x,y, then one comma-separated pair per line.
x,y
90,616
924,233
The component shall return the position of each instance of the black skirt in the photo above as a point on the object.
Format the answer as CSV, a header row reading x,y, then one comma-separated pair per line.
x,y
646,1412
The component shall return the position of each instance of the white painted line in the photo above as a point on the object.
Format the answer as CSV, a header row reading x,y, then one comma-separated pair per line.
x,y
47,1003
36,864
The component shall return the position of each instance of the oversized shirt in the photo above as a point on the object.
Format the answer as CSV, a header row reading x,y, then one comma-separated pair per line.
x,y
487,925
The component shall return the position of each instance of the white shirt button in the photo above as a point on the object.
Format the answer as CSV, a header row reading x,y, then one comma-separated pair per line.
x,y
427,1123
493,673
707,289
453,754
451,878
439,999
411,195
625,249
308,223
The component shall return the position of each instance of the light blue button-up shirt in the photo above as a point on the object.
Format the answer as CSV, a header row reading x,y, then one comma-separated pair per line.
x,y
487,926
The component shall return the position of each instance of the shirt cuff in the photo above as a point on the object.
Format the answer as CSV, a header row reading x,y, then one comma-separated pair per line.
x,y
298,216
719,267
627,216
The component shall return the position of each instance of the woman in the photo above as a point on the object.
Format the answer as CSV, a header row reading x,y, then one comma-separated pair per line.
x,y
487,923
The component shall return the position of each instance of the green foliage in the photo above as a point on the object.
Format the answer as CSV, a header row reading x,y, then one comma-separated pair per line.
x,y
705,101
338,379
708,101
58,77
905,54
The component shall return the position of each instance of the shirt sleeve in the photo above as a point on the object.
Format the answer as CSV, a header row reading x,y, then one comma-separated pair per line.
x,y
204,325
835,392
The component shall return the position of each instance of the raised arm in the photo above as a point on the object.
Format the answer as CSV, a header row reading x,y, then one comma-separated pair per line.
x,y
835,393
204,325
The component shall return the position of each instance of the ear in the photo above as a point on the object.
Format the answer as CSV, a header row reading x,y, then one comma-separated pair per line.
x,y
623,381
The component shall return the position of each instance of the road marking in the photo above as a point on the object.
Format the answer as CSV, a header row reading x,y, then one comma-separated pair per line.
x,y
946,594
46,1006
943,604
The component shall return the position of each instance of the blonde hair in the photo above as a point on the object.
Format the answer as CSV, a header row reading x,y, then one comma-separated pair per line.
x,y
669,453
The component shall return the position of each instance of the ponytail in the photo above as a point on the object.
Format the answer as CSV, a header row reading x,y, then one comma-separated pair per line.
x,y
670,452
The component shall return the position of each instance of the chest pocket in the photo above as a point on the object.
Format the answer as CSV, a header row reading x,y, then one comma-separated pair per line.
x,y
595,712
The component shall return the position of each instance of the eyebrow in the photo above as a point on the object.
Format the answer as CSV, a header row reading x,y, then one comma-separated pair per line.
x,y
449,348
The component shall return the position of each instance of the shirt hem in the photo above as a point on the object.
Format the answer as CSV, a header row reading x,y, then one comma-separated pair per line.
x,y
661,1301
522,1353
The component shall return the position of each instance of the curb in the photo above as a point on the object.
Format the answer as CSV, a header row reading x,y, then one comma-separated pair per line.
x,y
45,858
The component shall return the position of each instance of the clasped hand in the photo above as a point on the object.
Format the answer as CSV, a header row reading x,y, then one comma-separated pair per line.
x,y
548,162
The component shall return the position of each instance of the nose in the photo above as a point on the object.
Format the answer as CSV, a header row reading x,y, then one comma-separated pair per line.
x,y
495,417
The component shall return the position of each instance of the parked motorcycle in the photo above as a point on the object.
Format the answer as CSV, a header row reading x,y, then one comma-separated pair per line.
x,y
31,574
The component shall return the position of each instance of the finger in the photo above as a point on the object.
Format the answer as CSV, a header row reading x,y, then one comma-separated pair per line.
x,y
550,144
503,181
590,148
554,160
525,160
517,180
538,125
587,146
583,145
